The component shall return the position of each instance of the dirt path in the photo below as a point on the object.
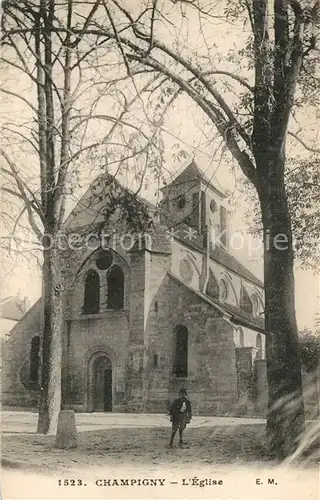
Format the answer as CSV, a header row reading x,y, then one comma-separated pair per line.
x,y
219,445
218,462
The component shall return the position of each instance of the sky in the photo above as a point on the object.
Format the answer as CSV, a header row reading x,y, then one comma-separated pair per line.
x,y
185,121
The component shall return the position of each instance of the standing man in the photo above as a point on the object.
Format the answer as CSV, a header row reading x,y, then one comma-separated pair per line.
x,y
180,415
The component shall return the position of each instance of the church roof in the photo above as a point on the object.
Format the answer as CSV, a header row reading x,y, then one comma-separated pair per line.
x,y
181,230
243,318
237,316
194,173
90,211
13,308
30,316
191,238
218,254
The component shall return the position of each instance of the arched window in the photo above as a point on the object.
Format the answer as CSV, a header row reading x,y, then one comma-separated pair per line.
x,y
91,303
213,206
224,289
185,270
181,201
181,352
115,283
245,302
255,304
259,346
34,360
212,287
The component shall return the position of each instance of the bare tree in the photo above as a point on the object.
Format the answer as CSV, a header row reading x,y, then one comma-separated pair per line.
x,y
251,111
63,112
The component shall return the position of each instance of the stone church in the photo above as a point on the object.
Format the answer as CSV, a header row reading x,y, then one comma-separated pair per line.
x,y
150,313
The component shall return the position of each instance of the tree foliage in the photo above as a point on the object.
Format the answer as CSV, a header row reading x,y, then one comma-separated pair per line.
x,y
302,188
310,349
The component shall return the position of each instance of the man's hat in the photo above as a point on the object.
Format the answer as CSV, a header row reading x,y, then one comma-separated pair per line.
x,y
183,391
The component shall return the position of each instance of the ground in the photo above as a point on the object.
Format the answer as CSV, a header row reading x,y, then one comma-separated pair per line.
x,y
134,446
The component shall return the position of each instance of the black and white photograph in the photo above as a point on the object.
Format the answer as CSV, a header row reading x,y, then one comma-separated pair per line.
x,y
160,250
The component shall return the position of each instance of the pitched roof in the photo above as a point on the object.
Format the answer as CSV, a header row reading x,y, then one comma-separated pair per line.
x,y
32,315
93,204
191,238
194,173
242,317
237,316
90,209
13,308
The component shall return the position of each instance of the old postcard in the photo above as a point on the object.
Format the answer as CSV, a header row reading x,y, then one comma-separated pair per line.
x,y
160,329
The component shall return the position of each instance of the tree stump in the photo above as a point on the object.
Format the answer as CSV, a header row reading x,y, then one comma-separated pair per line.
x,y
66,436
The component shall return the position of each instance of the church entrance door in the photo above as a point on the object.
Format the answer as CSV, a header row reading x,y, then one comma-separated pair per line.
x,y
102,384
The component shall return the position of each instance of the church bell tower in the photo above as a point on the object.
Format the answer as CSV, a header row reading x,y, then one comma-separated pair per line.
x,y
198,201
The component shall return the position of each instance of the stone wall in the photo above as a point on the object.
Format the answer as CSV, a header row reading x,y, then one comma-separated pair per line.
x,y
87,337
15,383
261,387
253,397
246,382
139,341
211,381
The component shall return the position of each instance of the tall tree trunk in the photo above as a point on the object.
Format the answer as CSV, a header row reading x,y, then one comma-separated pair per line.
x,y
50,399
285,419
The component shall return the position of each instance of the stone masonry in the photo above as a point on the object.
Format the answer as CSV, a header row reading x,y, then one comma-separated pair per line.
x,y
181,305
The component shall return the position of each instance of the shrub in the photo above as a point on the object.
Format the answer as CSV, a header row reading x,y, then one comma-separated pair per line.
x,y
310,349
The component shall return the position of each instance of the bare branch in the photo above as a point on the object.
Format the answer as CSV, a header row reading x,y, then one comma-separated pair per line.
x,y
23,136
85,26
117,38
23,194
231,75
33,200
226,128
20,97
303,143
110,118
296,7
154,6
16,194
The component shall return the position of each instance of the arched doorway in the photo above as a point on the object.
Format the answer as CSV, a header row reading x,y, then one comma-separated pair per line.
x,y
102,384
